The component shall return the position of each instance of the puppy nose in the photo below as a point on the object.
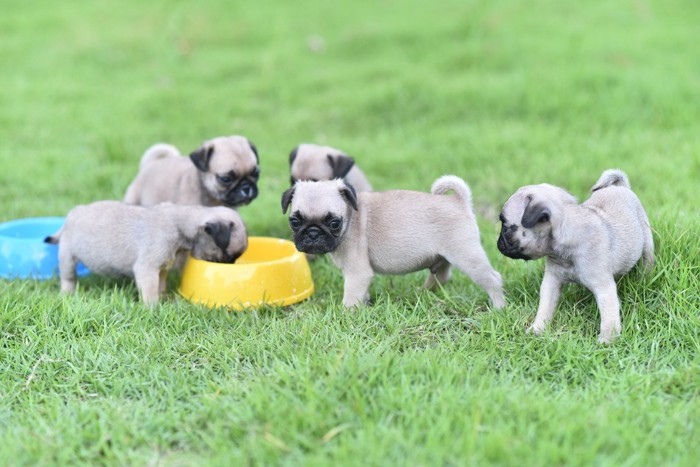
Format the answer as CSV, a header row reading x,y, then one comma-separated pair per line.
x,y
247,190
313,232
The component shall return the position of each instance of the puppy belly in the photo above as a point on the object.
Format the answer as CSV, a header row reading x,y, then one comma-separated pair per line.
x,y
402,263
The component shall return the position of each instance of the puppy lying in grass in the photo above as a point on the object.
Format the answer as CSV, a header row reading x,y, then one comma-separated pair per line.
x,y
117,239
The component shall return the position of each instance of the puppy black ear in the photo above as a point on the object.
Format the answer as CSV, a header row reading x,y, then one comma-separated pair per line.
x,y
220,232
293,155
340,164
255,151
286,199
349,194
201,157
534,214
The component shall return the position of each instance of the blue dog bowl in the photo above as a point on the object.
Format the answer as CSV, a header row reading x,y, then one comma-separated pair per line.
x,y
23,253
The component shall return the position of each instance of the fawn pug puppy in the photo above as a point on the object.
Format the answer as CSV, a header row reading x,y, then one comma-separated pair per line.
x,y
118,239
589,243
223,171
393,232
316,163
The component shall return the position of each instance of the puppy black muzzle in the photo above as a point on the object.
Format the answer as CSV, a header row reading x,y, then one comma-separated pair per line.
x,y
224,257
241,194
508,246
314,239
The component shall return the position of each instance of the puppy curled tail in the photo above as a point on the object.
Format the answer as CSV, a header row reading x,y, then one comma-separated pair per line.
x,y
54,239
612,177
158,151
453,183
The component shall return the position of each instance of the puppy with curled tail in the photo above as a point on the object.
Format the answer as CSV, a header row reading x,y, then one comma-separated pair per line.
x,y
223,171
392,232
113,238
590,243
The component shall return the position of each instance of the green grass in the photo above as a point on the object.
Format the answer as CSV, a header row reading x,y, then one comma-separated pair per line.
x,y
502,93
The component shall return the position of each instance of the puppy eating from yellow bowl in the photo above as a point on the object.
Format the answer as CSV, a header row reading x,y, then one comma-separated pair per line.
x,y
270,272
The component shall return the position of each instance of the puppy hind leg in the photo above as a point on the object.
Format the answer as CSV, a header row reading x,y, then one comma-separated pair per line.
x,y
67,264
609,307
477,267
648,248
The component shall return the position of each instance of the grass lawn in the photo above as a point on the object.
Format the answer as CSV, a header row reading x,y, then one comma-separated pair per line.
x,y
502,93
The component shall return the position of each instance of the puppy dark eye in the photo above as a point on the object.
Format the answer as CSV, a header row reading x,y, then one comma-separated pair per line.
x,y
543,218
294,223
255,174
292,181
225,179
502,218
335,224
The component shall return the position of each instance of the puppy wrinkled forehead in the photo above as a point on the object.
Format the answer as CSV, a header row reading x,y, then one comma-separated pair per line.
x,y
232,153
317,199
515,206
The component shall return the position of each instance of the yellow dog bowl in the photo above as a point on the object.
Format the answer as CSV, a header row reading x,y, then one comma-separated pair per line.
x,y
271,271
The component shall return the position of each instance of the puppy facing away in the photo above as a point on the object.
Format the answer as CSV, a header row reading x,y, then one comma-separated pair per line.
x,y
117,239
393,232
589,243
317,163
223,171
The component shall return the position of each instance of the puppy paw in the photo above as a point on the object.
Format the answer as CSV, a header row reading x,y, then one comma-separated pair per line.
x,y
536,329
608,338
609,333
498,302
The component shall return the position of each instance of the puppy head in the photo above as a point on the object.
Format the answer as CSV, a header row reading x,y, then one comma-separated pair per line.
x,y
221,237
317,163
319,215
530,218
228,169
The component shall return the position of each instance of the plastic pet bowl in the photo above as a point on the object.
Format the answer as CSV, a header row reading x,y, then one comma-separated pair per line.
x,y
271,272
23,253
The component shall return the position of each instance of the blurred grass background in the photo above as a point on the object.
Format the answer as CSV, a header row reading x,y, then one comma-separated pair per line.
x,y
502,93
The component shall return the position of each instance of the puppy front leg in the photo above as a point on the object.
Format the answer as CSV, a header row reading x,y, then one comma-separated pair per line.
x,y
148,283
438,274
162,281
609,307
550,291
356,291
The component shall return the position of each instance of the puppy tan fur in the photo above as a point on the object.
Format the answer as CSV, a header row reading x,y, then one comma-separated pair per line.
x,y
117,239
312,162
393,232
589,243
223,171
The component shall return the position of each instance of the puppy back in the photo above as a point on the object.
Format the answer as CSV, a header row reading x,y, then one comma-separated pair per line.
x,y
612,177
453,183
158,151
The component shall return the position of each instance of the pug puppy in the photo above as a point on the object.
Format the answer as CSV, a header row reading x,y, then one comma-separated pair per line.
x,y
316,163
118,239
223,171
393,232
589,243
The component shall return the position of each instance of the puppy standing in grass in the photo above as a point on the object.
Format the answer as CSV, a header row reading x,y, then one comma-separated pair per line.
x,y
587,243
223,171
117,239
393,232
317,163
